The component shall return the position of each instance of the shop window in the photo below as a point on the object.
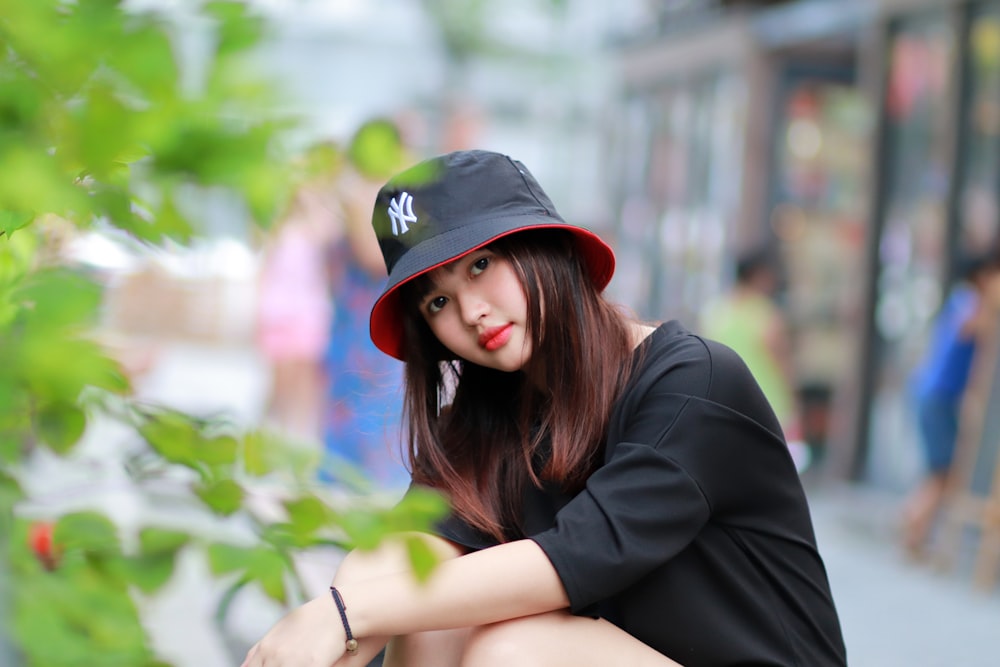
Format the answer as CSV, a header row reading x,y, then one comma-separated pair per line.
x,y
979,185
912,247
817,216
676,216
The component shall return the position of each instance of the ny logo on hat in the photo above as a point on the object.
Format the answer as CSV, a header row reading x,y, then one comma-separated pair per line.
x,y
401,213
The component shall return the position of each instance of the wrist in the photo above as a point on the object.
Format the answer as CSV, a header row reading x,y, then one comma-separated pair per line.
x,y
351,642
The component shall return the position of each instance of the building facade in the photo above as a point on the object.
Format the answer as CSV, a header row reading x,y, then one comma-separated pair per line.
x,y
858,140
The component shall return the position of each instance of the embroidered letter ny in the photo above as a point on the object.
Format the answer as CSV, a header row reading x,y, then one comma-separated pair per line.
x,y
401,213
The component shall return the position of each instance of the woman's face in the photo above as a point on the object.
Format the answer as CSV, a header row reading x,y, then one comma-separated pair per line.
x,y
477,309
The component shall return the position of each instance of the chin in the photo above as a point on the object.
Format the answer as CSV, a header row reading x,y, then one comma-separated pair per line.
x,y
504,363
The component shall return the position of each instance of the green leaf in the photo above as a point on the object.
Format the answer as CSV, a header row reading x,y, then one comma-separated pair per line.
x,y
363,528
366,527
90,532
10,494
11,221
286,537
224,497
171,223
33,177
115,204
376,149
321,160
418,510
154,540
73,617
227,558
237,29
61,425
104,127
265,452
422,557
260,564
17,258
172,436
145,57
148,572
220,450
268,568
308,514
11,445
59,298
57,366
20,103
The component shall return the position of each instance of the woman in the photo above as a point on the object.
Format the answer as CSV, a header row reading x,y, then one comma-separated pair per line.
x,y
622,495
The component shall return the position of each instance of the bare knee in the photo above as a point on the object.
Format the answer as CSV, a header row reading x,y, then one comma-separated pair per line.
x,y
513,642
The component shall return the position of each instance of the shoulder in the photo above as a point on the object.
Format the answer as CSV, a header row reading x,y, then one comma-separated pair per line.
x,y
676,366
675,355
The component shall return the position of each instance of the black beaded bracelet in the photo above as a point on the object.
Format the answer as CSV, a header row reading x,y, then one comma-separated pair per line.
x,y
352,643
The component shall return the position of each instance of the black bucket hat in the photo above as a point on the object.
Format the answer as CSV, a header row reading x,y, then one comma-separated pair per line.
x,y
451,205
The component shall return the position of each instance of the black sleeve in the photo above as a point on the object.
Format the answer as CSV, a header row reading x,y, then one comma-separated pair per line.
x,y
637,511
692,440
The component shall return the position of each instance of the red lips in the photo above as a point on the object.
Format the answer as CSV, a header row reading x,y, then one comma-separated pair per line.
x,y
495,337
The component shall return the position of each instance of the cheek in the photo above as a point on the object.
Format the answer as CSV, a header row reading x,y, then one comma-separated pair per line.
x,y
445,330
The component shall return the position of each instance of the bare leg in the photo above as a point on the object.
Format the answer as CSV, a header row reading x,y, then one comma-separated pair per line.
x,y
921,510
559,638
442,648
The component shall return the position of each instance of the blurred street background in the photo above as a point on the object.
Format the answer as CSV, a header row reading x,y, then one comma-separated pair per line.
x,y
855,142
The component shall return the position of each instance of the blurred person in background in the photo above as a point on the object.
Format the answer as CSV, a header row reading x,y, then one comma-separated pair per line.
x,y
361,410
939,383
748,319
293,303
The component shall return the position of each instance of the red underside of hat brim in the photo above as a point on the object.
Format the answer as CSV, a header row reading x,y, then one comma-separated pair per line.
x,y
387,331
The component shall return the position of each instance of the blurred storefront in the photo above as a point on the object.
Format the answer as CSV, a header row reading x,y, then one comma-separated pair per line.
x,y
857,139
936,197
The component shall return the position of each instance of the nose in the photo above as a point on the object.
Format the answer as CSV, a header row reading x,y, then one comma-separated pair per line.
x,y
472,307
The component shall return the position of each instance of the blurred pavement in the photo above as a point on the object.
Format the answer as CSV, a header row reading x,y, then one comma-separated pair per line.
x,y
894,612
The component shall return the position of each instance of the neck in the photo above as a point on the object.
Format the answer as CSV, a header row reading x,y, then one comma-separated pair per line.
x,y
640,332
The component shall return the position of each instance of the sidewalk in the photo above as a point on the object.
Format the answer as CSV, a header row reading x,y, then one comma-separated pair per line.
x,y
895,612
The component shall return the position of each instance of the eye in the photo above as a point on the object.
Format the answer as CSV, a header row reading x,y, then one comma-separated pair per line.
x,y
479,265
436,304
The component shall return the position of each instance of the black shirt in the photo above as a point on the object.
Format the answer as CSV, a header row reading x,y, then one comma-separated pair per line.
x,y
694,535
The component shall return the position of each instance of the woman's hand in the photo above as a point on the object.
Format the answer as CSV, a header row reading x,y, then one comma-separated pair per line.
x,y
310,636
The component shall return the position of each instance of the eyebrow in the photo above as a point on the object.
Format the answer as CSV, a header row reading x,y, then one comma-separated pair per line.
x,y
428,284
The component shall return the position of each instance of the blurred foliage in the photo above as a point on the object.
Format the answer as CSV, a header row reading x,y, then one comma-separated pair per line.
x,y
376,150
101,124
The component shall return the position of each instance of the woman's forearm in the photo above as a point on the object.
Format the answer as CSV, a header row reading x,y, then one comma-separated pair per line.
x,y
507,581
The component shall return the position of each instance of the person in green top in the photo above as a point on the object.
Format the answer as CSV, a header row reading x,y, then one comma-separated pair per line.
x,y
749,321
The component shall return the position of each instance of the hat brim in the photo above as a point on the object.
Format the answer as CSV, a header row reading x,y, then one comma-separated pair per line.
x,y
385,325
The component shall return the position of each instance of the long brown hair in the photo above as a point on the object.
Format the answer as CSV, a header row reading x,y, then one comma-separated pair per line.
x,y
498,431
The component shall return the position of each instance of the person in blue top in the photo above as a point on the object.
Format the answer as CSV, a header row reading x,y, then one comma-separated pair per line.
x,y
938,385
360,420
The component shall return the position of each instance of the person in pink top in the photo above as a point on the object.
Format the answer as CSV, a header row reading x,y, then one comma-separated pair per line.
x,y
293,314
